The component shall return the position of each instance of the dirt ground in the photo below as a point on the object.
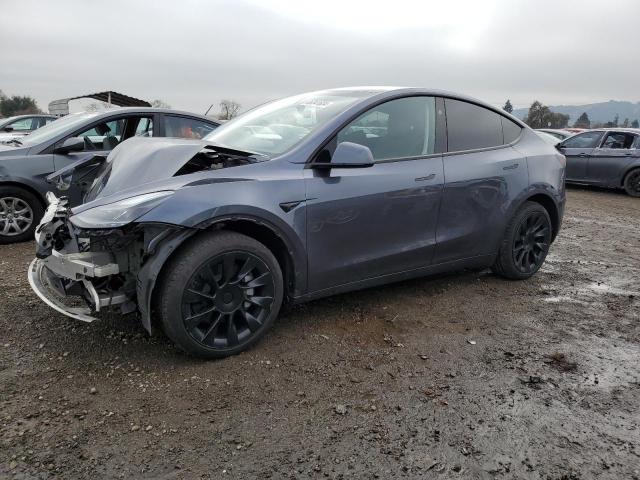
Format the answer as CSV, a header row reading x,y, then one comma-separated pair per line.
x,y
461,376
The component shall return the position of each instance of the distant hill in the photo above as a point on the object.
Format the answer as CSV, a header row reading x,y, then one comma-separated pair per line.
x,y
598,112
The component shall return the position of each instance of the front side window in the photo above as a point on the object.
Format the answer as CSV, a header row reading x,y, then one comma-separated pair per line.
x,y
583,140
276,127
184,127
104,136
470,126
618,140
23,125
396,129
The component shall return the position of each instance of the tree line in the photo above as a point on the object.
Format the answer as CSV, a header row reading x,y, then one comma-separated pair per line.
x,y
541,116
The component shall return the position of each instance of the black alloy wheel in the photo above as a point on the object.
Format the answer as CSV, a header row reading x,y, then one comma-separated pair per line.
x,y
228,299
525,243
531,242
632,183
219,294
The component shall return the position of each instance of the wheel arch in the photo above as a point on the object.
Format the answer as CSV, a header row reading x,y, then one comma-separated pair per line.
x,y
628,170
289,257
24,186
551,206
272,238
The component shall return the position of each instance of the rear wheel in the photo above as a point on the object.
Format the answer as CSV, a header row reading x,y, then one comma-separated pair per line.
x,y
20,212
525,244
220,294
632,183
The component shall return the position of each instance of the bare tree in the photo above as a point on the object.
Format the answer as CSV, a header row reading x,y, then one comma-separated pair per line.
x,y
157,103
228,109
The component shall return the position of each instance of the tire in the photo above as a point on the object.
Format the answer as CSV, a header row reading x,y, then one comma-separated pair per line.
x,y
219,294
525,244
20,213
632,183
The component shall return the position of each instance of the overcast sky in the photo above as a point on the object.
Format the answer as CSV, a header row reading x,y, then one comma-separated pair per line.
x,y
192,53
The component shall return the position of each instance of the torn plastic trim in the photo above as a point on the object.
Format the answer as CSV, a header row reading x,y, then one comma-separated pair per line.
x,y
36,269
150,270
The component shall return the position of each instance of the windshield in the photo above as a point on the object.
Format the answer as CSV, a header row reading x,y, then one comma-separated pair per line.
x,y
56,127
8,120
276,127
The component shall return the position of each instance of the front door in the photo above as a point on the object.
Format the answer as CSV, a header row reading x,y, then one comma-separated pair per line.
x,y
578,149
369,222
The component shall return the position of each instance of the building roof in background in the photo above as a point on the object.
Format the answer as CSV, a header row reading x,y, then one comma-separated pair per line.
x,y
61,107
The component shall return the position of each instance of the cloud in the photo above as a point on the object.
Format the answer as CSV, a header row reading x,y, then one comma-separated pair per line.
x,y
194,53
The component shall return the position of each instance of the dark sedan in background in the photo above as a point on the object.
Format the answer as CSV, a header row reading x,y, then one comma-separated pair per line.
x,y
604,157
26,162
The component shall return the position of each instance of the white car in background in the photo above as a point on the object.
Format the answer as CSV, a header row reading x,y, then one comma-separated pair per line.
x,y
21,125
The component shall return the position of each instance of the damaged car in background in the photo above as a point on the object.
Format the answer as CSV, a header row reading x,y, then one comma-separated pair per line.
x,y
350,188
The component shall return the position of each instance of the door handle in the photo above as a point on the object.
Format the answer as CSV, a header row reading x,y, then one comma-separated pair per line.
x,y
428,177
582,155
628,154
510,167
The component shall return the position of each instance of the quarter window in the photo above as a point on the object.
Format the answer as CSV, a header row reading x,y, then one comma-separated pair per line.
x,y
396,129
470,126
510,130
583,140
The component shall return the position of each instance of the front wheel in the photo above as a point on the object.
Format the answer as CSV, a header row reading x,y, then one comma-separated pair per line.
x,y
525,244
632,183
220,294
20,212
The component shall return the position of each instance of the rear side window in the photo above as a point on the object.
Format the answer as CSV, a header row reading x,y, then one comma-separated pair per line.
x,y
184,127
510,130
470,126
618,140
583,140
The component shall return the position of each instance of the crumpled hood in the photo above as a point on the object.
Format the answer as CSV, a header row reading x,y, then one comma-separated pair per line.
x,y
144,160
145,165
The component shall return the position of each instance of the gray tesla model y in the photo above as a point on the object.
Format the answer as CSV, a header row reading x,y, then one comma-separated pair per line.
x,y
300,198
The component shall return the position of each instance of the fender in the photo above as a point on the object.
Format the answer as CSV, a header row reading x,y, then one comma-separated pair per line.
x,y
294,241
546,190
167,242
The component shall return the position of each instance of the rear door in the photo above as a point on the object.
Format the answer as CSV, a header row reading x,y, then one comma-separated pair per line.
x,y
608,162
578,149
483,173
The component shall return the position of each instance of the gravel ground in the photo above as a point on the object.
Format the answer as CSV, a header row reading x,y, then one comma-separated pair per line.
x,y
461,376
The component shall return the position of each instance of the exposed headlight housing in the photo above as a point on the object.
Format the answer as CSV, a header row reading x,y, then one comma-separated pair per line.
x,y
120,213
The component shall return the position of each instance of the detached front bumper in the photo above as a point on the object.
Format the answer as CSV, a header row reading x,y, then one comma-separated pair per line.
x,y
72,282
53,278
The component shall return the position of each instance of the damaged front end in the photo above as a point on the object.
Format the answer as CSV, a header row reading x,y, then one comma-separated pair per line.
x,y
80,272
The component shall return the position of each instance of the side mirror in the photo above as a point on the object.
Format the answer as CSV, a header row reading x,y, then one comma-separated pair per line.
x,y
72,144
349,155
8,128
